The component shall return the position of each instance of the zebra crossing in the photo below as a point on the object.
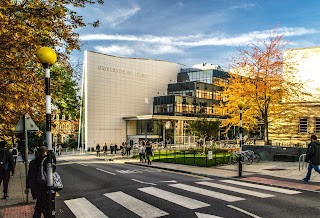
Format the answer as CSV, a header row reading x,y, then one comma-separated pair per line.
x,y
81,207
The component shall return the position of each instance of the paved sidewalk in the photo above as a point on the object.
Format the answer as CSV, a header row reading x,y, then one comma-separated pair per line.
x,y
282,174
16,204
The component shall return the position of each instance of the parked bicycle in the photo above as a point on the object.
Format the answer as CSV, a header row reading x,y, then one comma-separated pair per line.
x,y
254,156
236,156
247,157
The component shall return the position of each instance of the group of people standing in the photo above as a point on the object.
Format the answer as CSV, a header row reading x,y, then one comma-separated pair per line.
x,y
125,149
145,152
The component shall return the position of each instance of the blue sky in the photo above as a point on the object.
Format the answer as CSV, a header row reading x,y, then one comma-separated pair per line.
x,y
195,31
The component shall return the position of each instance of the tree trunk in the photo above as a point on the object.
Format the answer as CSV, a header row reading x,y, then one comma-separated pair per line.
x,y
266,131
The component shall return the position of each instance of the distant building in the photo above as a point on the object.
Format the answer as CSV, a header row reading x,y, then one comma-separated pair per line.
x,y
133,99
64,127
298,130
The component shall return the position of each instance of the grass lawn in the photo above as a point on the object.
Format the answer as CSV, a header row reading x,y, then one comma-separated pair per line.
x,y
191,157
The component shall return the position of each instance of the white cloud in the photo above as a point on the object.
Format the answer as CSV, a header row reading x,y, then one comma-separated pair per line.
x,y
162,49
120,16
157,45
115,50
200,40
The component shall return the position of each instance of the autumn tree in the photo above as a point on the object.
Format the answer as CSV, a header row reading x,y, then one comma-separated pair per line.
x,y
25,26
258,78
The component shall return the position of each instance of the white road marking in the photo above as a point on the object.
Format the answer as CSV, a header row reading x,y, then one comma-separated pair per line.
x,y
83,164
209,193
129,171
206,178
203,215
234,189
82,208
143,182
170,181
105,171
174,198
135,205
244,211
269,188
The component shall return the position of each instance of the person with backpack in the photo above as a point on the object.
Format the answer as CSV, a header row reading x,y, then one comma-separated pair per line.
x,y
38,186
6,166
15,154
312,157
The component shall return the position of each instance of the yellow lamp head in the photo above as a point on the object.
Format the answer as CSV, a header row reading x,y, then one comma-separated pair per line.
x,y
241,105
46,55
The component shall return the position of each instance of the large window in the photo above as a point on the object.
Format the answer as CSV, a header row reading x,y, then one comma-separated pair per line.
x,y
303,125
143,125
317,127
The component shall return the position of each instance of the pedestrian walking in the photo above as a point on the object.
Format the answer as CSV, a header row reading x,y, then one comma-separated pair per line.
x,y
141,153
123,149
39,188
98,150
312,157
15,154
148,152
6,166
111,148
128,149
115,149
105,149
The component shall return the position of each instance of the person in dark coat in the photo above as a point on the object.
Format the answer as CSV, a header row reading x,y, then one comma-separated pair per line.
x,y
148,152
313,157
98,150
38,189
8,167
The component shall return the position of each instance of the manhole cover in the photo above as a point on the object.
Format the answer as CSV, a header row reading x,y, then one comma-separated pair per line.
x,y
275,169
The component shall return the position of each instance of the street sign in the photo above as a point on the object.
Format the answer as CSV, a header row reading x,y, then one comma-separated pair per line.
x,y
30,125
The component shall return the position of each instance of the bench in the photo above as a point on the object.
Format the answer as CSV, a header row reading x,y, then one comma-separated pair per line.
x,y
286,152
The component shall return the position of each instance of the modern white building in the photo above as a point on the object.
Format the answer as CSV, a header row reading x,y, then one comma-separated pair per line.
x,y
117,87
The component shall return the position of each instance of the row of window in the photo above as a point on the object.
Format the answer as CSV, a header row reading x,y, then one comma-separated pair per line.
x,y
304,125
201,94
185,108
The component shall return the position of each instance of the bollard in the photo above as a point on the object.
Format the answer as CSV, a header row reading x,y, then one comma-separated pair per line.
x,y
73,151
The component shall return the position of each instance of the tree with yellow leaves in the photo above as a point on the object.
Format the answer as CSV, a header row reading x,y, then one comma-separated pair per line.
x,y
25,26
257,78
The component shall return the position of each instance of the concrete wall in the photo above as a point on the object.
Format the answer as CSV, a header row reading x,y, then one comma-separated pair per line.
x,y
117,87
267,151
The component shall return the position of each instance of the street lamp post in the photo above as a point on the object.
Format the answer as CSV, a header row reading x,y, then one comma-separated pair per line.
x,y
240,106
47,57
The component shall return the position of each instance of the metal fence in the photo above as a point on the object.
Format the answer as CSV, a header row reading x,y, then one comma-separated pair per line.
x,y
204,157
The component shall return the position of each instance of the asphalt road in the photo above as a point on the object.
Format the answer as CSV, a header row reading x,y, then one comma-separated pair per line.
x,y
105,189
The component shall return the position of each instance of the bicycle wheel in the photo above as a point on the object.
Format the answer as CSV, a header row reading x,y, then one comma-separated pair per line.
x,y
233,159
256,157
247,160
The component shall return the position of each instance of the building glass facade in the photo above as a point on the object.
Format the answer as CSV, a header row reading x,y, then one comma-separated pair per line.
x,y
197,92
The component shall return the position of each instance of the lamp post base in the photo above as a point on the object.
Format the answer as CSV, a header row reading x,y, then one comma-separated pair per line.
x,y
51,208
